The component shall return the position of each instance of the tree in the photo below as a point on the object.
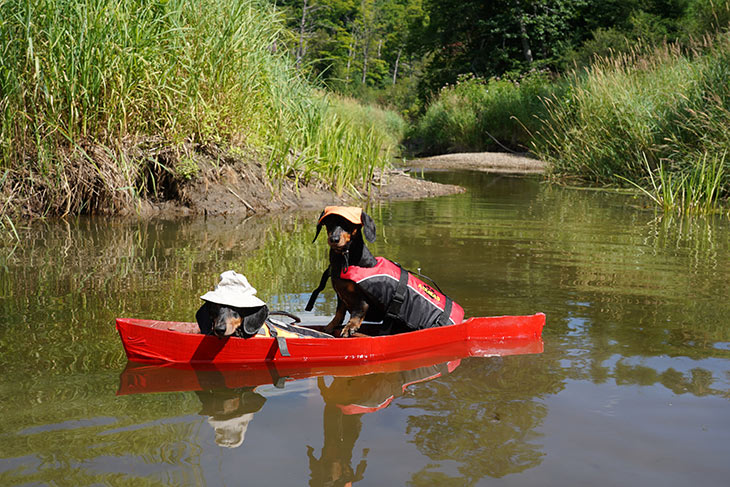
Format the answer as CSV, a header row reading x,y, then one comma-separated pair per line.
x,y
349,44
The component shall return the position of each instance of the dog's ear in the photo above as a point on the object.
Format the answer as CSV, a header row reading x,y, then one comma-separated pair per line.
x,y
205,321
368,227
319,226
253,322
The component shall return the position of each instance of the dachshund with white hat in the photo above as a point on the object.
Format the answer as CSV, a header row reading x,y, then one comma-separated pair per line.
x,y
233,310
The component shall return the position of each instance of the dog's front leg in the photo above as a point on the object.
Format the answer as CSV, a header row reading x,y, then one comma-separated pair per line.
x,y
338,318
356,318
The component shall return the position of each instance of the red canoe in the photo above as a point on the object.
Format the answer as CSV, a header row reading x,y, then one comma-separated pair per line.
x,y
176,342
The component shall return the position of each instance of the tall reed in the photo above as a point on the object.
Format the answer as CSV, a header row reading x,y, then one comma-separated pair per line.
x,y
658,120
84,82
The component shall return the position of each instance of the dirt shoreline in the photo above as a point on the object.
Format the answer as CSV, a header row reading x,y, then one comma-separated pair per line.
x,y
491,162
242,188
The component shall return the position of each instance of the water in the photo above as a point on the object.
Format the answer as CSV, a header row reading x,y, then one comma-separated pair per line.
x,y
632,386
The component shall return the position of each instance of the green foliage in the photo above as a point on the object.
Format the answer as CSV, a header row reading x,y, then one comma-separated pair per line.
x,y
657,120
87,84
705,16
477,115
351,46
186,168
340,142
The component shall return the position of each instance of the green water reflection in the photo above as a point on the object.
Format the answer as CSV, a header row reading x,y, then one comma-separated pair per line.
x,y
637,348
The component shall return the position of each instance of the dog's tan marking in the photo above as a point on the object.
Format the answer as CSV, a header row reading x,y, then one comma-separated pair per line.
x,y
232,325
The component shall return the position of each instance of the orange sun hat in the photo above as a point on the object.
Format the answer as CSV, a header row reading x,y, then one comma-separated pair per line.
x,y
350,213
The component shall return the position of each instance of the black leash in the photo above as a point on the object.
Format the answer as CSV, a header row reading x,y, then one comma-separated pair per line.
x,y
315,293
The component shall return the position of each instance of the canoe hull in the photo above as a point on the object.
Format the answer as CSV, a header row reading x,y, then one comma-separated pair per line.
x,y
153,341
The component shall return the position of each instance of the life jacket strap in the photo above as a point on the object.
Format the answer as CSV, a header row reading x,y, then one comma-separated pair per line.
x,y
281,341
393,311
315,293
446,313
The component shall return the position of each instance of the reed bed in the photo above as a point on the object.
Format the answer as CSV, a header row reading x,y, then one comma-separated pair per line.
x,y
100,100
655,120
478,115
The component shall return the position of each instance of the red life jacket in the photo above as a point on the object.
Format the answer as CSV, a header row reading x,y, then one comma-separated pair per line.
x,y
403,296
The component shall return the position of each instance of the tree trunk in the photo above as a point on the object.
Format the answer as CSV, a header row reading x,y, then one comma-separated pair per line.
x,y
526,51
350,55
395,68
300,49
365,54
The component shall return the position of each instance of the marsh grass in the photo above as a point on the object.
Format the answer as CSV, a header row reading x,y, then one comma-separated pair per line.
x,y
342,143
479,115
99,96
657,121
696,191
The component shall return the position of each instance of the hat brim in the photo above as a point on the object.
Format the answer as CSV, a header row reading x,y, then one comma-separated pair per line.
x,y
233,300
351,213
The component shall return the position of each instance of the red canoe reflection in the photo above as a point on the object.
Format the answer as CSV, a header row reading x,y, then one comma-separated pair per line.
x,y
140,378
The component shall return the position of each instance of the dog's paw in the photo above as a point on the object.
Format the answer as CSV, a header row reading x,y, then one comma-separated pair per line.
x,y
350,329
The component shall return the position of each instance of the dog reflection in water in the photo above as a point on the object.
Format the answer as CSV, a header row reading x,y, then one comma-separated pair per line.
x,y
229,412
346,400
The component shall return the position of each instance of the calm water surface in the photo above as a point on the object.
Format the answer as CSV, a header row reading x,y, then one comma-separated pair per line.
x,y
633,386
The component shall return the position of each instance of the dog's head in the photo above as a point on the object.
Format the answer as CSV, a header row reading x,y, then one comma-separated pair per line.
x,y
345,224
228,320
232,308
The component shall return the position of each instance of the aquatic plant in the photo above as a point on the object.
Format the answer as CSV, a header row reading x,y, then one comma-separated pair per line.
x,y
696,191
656,120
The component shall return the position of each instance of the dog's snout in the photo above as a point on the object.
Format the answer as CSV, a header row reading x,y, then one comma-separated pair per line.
x,y
219,327
334,238
226,322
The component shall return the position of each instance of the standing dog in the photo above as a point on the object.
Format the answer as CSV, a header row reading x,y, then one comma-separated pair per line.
x,y
345,229
372,287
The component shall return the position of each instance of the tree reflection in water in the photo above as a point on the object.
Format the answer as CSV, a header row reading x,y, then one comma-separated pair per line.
x,y
483,418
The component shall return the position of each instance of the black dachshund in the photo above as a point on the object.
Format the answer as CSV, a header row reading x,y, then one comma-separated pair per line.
x,y
375,290
346,227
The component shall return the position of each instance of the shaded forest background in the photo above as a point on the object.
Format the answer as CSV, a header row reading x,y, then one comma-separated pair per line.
x,y
105,104
401,52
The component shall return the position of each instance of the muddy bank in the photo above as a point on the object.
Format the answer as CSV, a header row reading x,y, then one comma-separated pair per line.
x,y
238,185
493,162
243,188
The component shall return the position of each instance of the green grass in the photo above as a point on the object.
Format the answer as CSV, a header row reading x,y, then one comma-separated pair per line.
x,y
92,92
341,142
477,115
657,120
697,191
652,118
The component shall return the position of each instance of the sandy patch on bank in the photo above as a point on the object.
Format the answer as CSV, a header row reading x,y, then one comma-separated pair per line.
x,y
493,162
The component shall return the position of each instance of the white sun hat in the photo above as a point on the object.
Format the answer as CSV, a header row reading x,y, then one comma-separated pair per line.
x,y
230,433
234,290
